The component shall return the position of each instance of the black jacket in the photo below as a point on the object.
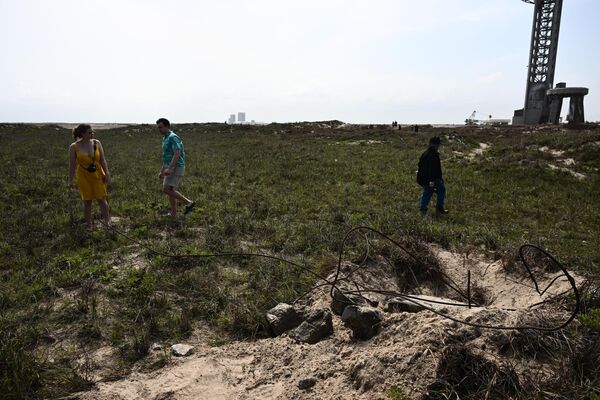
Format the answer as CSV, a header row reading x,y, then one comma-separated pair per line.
x,y
430,167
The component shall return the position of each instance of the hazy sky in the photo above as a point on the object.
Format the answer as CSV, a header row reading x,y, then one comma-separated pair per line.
x,y
279,60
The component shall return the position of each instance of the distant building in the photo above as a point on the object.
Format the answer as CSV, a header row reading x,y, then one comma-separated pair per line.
x,y
231,119
495,121
241,117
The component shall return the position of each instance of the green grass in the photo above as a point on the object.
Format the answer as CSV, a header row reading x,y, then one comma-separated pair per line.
x,y
288,189
591,319
395,393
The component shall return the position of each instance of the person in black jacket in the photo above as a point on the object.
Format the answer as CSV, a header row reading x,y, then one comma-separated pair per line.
x,y
430,178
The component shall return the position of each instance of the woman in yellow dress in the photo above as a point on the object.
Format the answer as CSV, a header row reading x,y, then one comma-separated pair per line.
x,y
87,163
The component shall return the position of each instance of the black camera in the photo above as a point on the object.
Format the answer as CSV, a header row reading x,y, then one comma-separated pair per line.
x,y
91,168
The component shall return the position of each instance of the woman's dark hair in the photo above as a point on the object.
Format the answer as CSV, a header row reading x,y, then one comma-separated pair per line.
x,y
164,121
80,130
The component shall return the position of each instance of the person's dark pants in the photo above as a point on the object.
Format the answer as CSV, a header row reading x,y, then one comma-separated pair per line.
x,y
439,188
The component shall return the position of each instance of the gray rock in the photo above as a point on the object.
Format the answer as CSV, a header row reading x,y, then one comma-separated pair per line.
x,y
182,350
156,346
282,318
317,326
364,321
307,383
340,301
399,304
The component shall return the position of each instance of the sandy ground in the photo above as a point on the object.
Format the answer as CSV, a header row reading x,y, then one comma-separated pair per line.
x,y
405,353
566,162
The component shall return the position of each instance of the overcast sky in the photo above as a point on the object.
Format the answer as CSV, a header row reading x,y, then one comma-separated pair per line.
x,y
278,60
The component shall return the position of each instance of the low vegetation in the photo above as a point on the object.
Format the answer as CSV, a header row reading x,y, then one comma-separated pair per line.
x,y
287,190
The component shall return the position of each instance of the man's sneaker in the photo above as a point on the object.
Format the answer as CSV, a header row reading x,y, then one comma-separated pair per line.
x,y
442,211
189,208
423,211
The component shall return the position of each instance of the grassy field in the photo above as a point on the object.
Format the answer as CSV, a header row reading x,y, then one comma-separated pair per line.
x,y
287,189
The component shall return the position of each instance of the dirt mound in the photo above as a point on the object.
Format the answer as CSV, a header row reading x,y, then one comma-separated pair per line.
x,y
415,354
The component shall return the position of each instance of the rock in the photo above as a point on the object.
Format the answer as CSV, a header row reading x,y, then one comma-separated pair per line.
x,y
364,321
418,303
317,326
182,350
307,383
282,318
340,301
399,304
156,346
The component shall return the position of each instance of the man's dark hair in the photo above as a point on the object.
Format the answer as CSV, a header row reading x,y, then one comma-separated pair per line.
x,y
163,121
435,140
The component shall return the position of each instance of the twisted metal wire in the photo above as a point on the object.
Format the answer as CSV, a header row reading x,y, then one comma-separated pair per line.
x,y
334,284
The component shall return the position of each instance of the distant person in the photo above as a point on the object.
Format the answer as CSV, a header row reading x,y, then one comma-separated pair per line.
x,y
429,176
88,164
173,167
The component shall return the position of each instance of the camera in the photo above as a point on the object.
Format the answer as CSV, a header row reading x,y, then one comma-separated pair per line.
x,y
91,168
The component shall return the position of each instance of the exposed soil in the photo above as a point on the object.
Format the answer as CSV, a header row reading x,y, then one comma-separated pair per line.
x,y
566,162
415,352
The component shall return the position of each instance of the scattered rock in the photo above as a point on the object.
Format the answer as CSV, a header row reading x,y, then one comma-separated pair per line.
x,y
307,383
317,326
340,301
364,321
156,346
182,350
282,318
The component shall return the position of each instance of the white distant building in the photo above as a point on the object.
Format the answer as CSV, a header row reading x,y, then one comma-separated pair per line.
x,y
231,119
241,117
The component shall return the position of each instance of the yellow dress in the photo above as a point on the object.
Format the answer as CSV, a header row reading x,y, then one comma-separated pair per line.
x,y
91,184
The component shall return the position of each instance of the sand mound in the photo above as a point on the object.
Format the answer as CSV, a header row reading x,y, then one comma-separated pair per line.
x,y
417,354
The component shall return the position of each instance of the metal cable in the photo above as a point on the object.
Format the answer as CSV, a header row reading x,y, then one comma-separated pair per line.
x,y
415,300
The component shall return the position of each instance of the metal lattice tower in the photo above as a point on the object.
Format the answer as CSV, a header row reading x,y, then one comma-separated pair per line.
x,y
542,61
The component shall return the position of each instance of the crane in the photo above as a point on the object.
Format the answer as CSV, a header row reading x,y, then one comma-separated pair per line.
x,y
471,120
